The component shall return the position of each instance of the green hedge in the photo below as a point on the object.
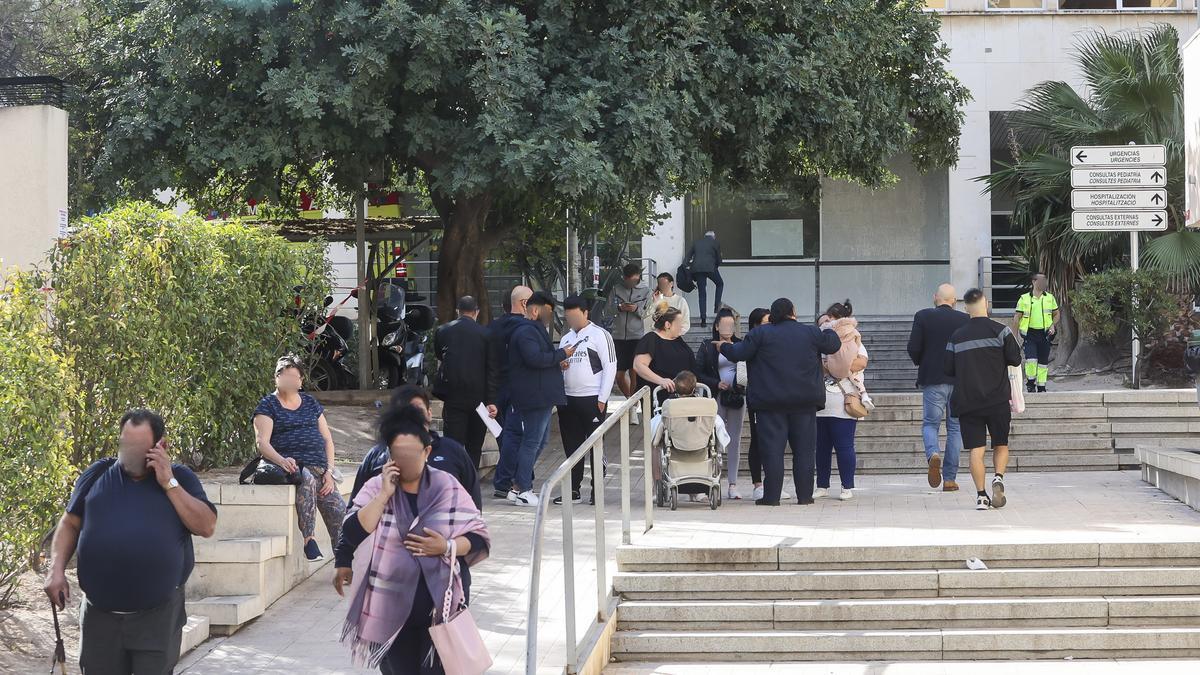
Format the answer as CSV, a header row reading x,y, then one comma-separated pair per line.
x,y
180,315
37,389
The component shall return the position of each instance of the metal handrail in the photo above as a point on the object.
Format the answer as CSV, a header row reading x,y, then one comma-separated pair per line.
x,y
562,475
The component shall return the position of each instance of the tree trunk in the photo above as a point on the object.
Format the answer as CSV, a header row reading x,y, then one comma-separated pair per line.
x,y
462,254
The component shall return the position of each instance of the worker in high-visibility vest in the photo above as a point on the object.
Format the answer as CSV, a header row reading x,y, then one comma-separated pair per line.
x,y
1036,320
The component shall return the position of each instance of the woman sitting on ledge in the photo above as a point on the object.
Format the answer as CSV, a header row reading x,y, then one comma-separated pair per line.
x,y
290,430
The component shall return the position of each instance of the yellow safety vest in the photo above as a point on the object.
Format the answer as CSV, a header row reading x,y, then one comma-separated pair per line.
x,y
1036,313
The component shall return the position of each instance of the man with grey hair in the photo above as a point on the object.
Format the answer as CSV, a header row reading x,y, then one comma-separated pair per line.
x,y
466,377
704,260
931,330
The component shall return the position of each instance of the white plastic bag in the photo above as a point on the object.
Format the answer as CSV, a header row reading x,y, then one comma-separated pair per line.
x,y
1016,387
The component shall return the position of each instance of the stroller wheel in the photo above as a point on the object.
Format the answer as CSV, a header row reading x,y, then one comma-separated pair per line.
x,y
674,498
714,497
660,497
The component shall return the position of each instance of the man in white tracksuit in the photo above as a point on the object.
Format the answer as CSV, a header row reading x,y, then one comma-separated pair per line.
x,y
588,378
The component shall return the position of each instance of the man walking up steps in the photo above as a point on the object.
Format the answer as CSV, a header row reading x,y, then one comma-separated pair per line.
x,y
978,357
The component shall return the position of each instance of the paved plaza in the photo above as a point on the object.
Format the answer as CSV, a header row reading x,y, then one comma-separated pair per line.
x,y
299,633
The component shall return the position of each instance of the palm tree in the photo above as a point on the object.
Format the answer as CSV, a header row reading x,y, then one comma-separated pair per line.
x,y
1134,83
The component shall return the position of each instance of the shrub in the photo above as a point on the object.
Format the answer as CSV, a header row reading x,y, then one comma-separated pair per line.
x,y
37,388
179,315
1114,302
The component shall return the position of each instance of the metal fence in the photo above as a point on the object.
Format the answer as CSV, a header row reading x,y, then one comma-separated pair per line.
x,y
561,478
40,90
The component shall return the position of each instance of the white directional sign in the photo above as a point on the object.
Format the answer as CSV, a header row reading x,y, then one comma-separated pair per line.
x,y
1128,177
1118,155
1118,221
1118,199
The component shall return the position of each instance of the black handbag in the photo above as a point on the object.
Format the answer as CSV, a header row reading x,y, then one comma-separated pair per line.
x,y
734,397
260,471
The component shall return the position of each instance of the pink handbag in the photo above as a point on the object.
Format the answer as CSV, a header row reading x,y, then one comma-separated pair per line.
x,y
457,640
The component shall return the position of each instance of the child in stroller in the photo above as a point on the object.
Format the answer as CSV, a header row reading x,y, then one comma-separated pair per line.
x,y
689,444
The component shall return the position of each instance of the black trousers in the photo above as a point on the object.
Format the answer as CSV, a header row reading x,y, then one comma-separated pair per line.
x,y
141,643
576,421
463,425
778,429
752,457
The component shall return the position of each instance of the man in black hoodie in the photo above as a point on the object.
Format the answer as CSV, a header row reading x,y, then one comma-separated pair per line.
x,y
978,356
783,361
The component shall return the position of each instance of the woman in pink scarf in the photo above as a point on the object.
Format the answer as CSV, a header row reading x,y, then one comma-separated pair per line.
x,y
399,527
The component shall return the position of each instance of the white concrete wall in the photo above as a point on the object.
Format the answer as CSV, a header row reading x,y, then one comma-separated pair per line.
x,y
665,244
33,182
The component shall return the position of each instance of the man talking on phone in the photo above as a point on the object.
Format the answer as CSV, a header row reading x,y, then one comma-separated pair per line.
x,y
588,377
131,521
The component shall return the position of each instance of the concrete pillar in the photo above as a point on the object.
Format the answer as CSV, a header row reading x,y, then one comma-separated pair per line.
x,y
33,182
665,244
970,208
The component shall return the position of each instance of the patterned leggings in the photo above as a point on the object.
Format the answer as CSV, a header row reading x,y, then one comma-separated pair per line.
x,y
308,502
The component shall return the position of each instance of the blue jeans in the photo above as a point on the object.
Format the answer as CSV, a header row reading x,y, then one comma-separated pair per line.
x,y
701,279
835,432
510,442
535,431
935,399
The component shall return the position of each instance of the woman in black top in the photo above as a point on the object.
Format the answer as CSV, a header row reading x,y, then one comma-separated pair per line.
x,y
662,354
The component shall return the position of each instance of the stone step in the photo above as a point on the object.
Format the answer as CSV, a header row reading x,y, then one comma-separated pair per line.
x,y
1017,582
227,613
1093,414
874,614
928,557
857,645
240,550
912,444
195,632
1019,428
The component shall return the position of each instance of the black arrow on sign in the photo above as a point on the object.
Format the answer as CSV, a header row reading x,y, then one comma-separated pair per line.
x,y
1157,220
1156,198
1079,156
1156,176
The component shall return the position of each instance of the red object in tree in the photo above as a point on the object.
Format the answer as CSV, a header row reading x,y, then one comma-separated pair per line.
x,y
305,201
401,267
252,202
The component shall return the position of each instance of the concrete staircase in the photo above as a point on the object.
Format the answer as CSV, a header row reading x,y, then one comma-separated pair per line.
x,y
907,603
256,554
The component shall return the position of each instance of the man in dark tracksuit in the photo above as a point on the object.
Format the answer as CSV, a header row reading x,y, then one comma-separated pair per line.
x,y
783,360
466,377
704,260
447,455
978,356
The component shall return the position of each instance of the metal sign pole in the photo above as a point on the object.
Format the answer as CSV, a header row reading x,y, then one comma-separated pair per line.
x,y
1134,255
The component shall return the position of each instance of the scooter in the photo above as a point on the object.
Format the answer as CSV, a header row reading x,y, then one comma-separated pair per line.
x,y
328,347
404,335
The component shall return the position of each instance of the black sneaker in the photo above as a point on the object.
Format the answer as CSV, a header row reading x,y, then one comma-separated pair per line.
x,y
500,494
312,551
576,498
763,502
1031,386
1041,388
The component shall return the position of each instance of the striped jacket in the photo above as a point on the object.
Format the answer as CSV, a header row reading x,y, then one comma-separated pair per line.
x,y
978,357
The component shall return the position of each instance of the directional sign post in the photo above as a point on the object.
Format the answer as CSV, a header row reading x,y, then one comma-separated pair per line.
x,y
1119,188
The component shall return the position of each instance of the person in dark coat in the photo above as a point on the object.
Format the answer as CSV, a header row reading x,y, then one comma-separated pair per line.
x,y
499,331
466,377
536,387
931,330
787,389
448,454
704,260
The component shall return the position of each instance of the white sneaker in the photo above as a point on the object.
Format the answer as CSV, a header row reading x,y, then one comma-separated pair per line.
x,y
818,493
982,503
526,498
846,494
758,492
512,497
733,493
784,495
635,417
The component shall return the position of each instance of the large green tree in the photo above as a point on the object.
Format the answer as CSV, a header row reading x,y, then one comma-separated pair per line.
x,y
600,102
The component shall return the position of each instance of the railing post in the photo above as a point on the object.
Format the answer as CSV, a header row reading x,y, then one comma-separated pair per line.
x,y
648,456
601,541
626,536
572,645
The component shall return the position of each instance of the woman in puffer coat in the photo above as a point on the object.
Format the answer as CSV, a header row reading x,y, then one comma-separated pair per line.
x,y
835,427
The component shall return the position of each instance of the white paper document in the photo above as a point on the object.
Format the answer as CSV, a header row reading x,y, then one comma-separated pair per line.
x,y
491,424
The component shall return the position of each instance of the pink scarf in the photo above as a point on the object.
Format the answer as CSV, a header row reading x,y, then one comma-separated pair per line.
x,y
383,600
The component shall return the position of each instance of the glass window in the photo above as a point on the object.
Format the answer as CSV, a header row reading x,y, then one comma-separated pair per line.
x,y
1015,4
755,223
935,4
1118,4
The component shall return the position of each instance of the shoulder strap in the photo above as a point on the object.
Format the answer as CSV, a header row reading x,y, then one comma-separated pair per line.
x,y
450,584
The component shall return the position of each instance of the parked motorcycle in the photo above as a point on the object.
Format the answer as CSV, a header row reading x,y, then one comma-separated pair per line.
x,y
404,334
328,336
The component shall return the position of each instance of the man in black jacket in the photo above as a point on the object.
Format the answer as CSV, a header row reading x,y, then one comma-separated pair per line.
x,y
466,377
704,260
783,363
931,331
978,356
499,330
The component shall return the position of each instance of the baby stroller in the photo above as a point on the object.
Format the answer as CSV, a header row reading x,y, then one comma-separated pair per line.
x,y
691,458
